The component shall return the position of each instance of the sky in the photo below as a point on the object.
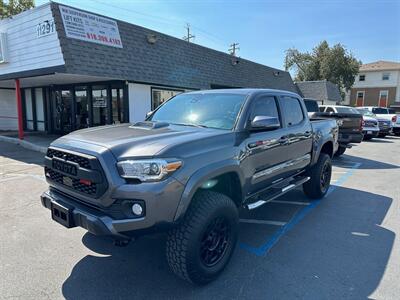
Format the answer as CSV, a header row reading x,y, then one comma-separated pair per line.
x,y
370,29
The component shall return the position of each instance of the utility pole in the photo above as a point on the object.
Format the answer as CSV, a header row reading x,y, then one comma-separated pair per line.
x,y
233,48
188,36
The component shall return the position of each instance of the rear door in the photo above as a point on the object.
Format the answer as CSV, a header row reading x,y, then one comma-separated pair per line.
x,y
298,133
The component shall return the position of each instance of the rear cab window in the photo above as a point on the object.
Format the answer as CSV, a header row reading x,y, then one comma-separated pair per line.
x,y
380,110
292,111
311,105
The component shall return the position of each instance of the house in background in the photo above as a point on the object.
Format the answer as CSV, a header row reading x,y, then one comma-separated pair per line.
x,y
377,84
323,91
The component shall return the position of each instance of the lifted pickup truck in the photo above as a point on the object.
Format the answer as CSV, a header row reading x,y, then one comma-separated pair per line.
x,y
188,169
349,120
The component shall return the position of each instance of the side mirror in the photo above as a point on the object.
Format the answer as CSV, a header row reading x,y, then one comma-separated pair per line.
x,y
265,123
149,113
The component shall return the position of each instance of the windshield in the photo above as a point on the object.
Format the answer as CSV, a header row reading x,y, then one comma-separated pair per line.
x,y
218,110
346,110
366,112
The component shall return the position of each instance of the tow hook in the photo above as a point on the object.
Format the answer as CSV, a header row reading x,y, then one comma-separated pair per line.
x,y
122,242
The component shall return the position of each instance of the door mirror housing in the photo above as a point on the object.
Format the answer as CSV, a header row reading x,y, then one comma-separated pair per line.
x,y
149,113
265,123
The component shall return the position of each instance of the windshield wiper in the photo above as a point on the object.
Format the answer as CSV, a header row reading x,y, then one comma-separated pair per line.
x,y
191,125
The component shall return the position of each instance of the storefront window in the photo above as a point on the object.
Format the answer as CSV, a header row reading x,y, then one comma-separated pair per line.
x,y
82,108
117,105
159,96
99,95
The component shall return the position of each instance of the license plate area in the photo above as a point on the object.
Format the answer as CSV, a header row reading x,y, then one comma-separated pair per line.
x,y
62,215
369,132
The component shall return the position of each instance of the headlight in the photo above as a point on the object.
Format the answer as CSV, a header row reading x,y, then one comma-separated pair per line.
x,y
147,170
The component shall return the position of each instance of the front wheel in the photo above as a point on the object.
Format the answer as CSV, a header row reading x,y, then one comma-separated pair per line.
x,y
320,178
201,246
340,151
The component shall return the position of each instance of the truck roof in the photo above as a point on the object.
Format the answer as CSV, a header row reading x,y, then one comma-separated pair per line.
x,y
243,91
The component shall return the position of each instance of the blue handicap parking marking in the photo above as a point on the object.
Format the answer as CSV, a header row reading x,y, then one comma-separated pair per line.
x,y
271,240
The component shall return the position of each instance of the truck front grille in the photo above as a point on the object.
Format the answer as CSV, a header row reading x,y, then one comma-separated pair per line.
x,y
75,183
82,161
89,178
370,124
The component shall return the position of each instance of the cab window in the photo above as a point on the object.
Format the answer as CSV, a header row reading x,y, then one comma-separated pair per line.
x,y
291,110
264,106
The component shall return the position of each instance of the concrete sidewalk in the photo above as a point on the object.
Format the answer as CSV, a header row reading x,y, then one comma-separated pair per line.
x,y
32,141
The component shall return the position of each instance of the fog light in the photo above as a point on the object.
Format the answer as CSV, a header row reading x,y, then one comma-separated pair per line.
x,y
137,209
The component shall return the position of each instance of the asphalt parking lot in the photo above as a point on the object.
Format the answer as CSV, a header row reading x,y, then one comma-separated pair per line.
x,y
344,246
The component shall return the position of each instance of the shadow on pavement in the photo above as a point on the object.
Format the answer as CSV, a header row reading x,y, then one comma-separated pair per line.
x,y
16,152
378,140
365,162
338,251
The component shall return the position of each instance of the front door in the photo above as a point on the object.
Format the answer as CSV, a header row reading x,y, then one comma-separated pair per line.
x,y
360,99
267,150
383,99
62,107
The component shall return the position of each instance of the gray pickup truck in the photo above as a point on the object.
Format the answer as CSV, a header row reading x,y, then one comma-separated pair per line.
x,y
188,170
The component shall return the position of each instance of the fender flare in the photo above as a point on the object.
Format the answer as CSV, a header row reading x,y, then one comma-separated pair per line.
x,y
201,176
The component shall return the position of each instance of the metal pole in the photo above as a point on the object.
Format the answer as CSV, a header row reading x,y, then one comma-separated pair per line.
x,y
19,109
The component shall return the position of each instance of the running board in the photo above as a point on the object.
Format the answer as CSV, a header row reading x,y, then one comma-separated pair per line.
x,y
278,193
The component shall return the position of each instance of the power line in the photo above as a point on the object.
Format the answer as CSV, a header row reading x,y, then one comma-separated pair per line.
x,y
188,35
233,49
160,19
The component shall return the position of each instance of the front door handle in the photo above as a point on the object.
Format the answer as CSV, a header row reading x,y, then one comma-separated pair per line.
x,y
284,140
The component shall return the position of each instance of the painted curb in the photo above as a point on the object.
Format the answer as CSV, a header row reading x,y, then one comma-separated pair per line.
x,y
22,143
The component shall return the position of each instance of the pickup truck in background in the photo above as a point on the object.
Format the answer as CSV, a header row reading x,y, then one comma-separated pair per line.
x,y
188,169
387,118
349,120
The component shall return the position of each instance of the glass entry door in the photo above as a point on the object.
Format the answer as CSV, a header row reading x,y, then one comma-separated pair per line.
x,y
62,111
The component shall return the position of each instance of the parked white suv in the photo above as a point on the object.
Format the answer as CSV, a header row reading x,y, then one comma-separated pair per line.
x,y
388,114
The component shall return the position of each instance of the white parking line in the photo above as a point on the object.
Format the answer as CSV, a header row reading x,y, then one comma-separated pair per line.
x,y
265,222
290,202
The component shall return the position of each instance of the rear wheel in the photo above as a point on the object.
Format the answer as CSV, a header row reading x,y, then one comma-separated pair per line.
x,y
340,151
320,178
200,248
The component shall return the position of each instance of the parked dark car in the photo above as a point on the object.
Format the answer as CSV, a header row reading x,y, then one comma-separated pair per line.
x,y
187,170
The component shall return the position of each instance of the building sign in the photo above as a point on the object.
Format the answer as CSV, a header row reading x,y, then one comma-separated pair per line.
x,y
90,28
45,28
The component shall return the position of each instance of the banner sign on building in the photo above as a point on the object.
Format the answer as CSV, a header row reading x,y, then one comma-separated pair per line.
x,y
89,27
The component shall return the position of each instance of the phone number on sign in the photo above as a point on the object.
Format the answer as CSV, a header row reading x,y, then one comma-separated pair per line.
x,y
103,38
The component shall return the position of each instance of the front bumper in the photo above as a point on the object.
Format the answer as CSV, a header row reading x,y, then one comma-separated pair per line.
x,y
160,208
371,131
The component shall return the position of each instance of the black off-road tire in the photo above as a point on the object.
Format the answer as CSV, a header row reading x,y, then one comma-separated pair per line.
x,y
340,151
185,242
315,188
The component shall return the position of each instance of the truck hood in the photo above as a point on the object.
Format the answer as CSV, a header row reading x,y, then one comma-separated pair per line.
x,y
128,141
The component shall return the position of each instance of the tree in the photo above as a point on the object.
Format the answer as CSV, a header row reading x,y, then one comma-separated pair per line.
x,y
13,7
334,64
